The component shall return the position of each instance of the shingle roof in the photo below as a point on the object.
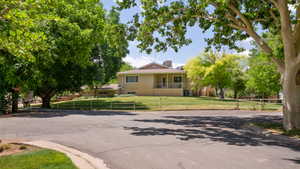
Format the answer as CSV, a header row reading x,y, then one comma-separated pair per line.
x,y
152,71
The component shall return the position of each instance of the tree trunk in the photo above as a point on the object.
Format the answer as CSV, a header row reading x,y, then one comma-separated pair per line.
x,y
95,91
15,101
46,102
235,95
222,93
291,110
217,91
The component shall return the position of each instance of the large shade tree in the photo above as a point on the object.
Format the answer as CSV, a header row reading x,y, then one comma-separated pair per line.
x,y
19,38
163,24
54,41
86,46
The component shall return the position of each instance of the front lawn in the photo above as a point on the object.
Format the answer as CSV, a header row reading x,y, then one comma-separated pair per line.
x,y
38,159
162,103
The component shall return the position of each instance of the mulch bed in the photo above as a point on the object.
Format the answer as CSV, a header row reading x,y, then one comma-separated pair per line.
x,y
9,148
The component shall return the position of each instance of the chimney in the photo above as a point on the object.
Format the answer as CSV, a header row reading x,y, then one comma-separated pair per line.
x,y
168,63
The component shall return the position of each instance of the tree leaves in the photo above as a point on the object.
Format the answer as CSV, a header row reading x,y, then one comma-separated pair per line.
x,y
213,70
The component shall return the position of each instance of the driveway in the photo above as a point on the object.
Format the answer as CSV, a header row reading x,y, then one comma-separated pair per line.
x,y
160,140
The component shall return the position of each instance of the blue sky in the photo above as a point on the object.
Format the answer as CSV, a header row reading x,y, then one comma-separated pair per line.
x,y
137,58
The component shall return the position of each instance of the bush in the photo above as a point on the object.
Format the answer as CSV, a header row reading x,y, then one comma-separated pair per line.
x,y
23,147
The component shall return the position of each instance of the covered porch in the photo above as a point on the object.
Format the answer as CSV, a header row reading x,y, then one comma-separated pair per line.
x,y
169,81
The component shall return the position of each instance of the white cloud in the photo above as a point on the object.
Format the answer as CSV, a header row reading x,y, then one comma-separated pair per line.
x,y
246,42
244,53
138,61
292,8
175,65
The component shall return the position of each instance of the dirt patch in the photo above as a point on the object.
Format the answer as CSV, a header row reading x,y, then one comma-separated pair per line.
x,y
9,148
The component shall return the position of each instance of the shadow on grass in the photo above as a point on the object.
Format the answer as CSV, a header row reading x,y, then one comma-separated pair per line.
x,y
226,129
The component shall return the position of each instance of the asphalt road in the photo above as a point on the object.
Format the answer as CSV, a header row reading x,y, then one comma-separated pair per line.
x,y
160,140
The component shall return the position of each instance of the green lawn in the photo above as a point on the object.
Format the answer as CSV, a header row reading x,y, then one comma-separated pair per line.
x,y
161,103
39,159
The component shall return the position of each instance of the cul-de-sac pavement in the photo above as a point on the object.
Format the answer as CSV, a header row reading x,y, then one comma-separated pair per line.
x,y
160,140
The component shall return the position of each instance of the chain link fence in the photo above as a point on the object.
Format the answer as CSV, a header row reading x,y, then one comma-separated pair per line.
x,y
158,105
230,104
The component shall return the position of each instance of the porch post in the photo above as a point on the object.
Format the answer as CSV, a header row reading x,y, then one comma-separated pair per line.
x,y
182,79
167,80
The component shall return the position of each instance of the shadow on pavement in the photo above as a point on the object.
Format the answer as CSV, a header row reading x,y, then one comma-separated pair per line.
x,y
297,161
226,129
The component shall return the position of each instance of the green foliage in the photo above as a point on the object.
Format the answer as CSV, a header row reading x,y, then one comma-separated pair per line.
x,y
19,33
218,71
164,24
125,66
69,44
263,77
220,74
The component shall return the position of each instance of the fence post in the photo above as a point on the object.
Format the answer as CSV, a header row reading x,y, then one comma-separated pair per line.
x,y
111,105
91,105
160,103
262,105
238,104
73,105
253,103
134,108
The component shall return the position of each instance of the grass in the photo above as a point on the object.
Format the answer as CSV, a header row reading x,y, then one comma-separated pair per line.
x,y
276,127
160,103
39,159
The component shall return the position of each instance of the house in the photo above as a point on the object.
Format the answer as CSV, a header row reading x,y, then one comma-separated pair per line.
x,y
155,80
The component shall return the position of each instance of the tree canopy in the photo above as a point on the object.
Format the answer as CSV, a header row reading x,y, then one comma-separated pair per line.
x,y
215,70
263,77
78,43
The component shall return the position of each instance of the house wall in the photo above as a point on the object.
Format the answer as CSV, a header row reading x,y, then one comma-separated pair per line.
x,y
145,87
167,92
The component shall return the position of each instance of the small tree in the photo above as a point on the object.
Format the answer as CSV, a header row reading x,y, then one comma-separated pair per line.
x,y
214,70
263,77
238,84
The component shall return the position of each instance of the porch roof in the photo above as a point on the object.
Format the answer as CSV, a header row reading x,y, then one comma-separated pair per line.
x,y
152,71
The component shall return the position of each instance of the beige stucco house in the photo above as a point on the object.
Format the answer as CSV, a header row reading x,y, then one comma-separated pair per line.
x,y
155,80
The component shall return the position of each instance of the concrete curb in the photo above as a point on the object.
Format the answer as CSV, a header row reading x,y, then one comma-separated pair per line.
x,y
81,160
263,132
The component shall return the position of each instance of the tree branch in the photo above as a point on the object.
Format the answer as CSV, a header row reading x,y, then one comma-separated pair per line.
x,y
242,17
275,2
251,32
276,19
297,28
286,32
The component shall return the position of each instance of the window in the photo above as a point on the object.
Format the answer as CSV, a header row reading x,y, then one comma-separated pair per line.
x,y
132,79
177,79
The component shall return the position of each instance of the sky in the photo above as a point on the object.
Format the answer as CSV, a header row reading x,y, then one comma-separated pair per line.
x,y
138,59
